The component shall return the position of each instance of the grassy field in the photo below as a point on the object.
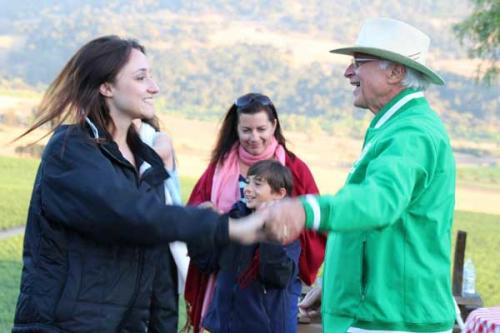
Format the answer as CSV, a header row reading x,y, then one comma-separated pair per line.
x,y
487,177
16,181
483,247
10,273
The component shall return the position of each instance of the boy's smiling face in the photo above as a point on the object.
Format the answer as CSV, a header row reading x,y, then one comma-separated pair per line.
x,y
258,191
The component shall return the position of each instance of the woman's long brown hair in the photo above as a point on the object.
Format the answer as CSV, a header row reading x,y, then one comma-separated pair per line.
x,y
74,94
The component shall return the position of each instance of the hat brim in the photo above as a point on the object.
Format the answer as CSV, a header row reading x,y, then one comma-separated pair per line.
x,y
392,56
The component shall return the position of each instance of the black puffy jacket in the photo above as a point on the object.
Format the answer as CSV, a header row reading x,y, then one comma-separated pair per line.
x,y
96,253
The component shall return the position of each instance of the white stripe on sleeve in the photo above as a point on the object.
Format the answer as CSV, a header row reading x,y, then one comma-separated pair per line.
x,y
315,208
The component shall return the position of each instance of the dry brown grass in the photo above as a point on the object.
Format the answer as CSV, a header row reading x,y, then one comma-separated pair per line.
x,y
328,157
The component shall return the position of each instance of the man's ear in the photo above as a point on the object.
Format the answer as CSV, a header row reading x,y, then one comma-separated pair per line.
x,y
106,90
397,73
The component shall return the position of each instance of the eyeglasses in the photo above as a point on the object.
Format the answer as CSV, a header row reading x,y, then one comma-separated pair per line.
x,y
357,62
245,100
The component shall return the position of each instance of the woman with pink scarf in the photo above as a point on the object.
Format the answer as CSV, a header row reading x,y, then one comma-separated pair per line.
x,y
250,132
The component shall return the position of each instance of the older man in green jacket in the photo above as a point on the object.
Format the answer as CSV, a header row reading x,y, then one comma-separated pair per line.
x,y
387,266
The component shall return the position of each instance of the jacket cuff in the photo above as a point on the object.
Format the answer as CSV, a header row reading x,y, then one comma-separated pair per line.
x,y
313,213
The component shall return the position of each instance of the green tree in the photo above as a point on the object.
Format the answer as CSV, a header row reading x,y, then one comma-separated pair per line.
x,y
481,33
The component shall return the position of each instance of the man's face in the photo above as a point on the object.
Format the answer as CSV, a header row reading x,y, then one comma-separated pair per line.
x,y
369,81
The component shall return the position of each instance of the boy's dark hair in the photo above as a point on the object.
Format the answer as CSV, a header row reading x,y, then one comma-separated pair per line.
x,y
274,173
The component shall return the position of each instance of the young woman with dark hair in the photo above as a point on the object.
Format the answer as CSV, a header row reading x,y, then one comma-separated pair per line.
x,y
95,255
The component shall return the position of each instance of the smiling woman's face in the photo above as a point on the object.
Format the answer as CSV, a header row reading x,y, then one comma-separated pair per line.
x,y
255,132
131,95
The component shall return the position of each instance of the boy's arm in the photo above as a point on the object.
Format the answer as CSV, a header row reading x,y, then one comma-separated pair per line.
x,y
207,259
276,264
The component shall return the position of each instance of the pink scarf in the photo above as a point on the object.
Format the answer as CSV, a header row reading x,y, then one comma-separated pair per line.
x,y
225,190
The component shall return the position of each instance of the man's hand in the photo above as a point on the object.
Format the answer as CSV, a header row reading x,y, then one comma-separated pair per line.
x,y
311,304
247,230
285,220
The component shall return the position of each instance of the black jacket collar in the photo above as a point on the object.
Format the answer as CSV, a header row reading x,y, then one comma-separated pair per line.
x,y
142,153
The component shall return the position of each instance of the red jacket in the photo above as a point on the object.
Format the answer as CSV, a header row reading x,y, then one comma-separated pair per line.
x,y
312,243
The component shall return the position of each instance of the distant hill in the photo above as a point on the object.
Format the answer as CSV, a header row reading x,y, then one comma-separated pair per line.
x,y
206,53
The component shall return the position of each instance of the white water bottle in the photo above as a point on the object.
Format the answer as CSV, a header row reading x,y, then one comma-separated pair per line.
x,y
469,279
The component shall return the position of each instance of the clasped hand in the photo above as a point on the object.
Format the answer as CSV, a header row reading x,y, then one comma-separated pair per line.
x,y
280,221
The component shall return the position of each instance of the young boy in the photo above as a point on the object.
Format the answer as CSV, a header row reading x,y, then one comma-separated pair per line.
x,y
253,285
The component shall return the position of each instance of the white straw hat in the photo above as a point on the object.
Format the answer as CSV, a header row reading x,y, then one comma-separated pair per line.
x,y
395,41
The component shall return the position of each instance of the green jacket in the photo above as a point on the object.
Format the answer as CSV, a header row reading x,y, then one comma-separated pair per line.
x,y
387,263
